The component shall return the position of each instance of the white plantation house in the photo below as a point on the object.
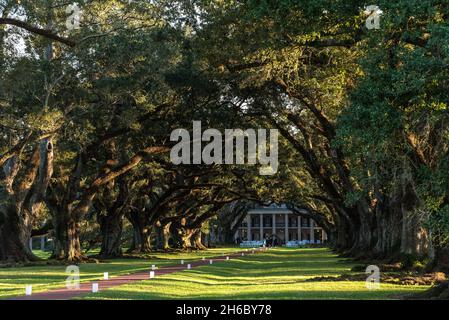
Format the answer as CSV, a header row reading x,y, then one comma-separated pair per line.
x,y
279,223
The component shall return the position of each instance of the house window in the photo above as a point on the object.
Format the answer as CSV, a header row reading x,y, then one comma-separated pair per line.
x,y
267,221
305,222
305,234
280,222
293,235
292,221
255,221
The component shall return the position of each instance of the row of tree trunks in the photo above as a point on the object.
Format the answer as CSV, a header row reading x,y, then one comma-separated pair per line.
x,y
185,237
73,207
393,234
363,230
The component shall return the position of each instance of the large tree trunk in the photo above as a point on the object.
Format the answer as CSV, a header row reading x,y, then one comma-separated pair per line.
x,y
388,232
60,220
361,231
67,238
111,227
111,223
414,241
163,235
14,236
22,196
181,235
341,243
74,252
344,237
141,232
60,241
439,258
197,240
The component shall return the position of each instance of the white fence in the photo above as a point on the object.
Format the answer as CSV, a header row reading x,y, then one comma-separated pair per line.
x,y
251,244
259,243
301,243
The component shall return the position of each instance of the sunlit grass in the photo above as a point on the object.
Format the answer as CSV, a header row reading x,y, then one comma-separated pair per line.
x,y
276,274
44,277
42,254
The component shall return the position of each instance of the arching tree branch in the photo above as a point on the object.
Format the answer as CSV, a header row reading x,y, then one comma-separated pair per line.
x,y
36,30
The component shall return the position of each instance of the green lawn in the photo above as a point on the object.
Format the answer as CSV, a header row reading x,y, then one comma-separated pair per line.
x,y
276,274
14,280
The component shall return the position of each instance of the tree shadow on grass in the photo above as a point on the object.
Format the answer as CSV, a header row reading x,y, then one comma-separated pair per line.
x,y
269,295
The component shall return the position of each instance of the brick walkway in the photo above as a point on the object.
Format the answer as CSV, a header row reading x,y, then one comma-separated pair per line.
x,y
86,287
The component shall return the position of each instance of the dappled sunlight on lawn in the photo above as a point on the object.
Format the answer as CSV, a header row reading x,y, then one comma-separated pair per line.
x,y
276,274
45,277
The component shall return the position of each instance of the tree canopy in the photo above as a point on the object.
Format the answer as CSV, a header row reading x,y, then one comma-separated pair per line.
x,y
87,112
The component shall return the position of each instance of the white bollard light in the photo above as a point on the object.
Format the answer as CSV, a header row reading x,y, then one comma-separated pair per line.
x,y
211,261
94,287
182,261
189,266
153,267
106,275
151,274
243,254
28,290
203,258
227,258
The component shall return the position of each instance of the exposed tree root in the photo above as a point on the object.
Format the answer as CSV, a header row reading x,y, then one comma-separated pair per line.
x,y
392,278
437,292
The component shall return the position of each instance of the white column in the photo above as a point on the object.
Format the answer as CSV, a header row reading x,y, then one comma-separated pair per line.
x,y
30,243
286,227
299,228
42,243
261,227
248,226
273,226
312,233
